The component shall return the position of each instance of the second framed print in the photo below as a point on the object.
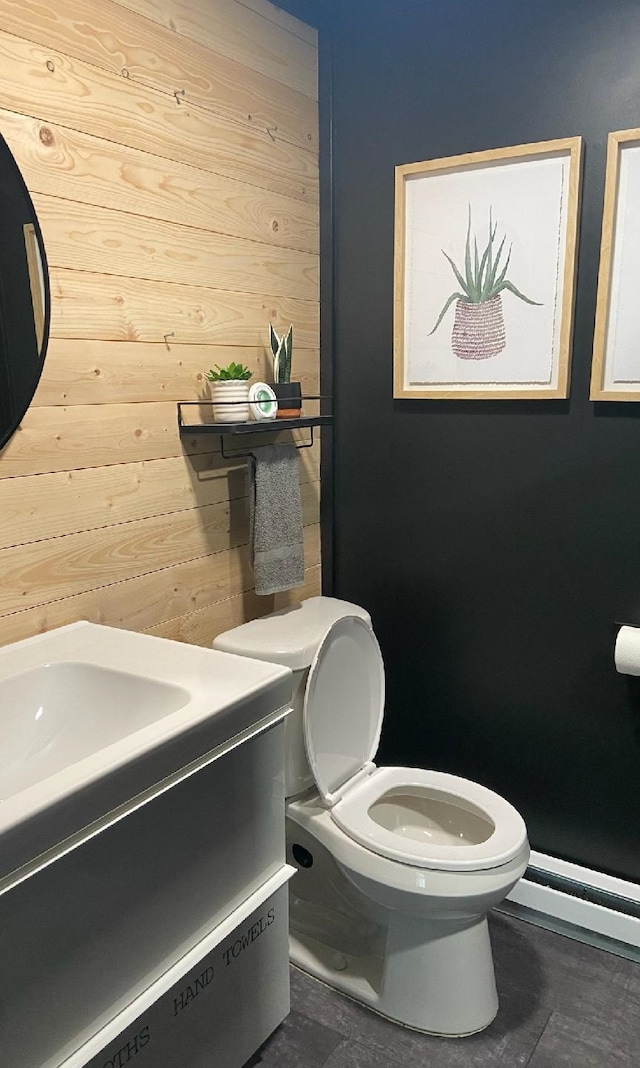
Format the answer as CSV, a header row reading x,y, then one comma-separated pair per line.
x,y
484,273
615,370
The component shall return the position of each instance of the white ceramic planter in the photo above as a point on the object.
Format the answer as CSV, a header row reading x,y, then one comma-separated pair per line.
x,y
230,401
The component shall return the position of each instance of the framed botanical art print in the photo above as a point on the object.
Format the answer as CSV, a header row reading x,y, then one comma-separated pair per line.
x,y
484,273
615,369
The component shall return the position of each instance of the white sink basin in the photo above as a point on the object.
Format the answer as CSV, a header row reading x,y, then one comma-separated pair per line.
x,y
92,716
57,714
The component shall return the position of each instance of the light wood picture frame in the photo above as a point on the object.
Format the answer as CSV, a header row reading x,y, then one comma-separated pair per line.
x,y
484,273
615,366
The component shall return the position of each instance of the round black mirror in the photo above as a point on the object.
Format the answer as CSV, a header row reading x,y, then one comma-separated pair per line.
x,y
24,296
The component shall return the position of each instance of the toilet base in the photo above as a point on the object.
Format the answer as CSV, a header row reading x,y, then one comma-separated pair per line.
x,y
371,928
436,976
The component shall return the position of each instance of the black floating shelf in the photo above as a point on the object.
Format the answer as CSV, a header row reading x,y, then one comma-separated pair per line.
x,y
252,426
255,426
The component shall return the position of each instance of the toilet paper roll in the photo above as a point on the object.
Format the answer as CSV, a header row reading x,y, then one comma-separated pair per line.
x,y
627,654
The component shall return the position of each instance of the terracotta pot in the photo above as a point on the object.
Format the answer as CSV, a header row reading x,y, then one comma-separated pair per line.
x,y
478,330
230,401
289,395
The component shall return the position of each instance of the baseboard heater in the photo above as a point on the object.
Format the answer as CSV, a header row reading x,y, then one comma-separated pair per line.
x,y
578,901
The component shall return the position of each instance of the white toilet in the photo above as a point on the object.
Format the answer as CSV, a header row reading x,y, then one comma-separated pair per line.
x,y
397,867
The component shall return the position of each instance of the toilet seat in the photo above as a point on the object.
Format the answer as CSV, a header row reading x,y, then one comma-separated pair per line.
x,y
342,716
505,839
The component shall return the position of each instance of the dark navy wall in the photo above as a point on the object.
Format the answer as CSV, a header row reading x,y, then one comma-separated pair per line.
x,y
496,544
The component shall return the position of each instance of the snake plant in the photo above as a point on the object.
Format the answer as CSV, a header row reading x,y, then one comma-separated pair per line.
x,y
282,350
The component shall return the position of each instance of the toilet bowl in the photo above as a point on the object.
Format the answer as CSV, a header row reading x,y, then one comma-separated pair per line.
x,y
397,867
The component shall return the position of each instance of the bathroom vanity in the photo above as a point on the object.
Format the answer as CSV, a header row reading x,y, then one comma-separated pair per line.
x,y
143,899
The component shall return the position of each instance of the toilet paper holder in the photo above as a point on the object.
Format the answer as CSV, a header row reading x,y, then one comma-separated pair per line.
x,y
626,653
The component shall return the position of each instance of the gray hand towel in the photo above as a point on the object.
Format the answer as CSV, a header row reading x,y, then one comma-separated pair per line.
x,y
276,519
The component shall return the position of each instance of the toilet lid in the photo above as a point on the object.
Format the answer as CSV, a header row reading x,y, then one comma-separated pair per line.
x,y
343,704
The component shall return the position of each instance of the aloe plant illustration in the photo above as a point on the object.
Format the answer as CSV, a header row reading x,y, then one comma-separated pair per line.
x,y
478,329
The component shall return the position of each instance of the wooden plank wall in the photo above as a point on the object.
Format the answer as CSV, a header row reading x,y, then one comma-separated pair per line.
x,y
171,150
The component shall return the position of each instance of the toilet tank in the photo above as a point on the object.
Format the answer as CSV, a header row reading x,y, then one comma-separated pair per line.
x,y
290,637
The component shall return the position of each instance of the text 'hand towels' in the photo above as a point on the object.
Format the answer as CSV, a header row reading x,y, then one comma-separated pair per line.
x,y
276,519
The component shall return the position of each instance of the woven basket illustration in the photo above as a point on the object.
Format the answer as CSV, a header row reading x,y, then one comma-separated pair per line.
x,y
478,329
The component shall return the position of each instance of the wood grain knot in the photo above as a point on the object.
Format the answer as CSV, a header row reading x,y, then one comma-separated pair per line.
x,y
46,135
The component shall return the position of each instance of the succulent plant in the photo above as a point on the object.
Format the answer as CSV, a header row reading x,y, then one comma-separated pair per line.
x,y
282,349
485,276
233,372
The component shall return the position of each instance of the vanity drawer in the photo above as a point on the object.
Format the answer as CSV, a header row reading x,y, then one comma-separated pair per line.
x,y
220,1010
85,936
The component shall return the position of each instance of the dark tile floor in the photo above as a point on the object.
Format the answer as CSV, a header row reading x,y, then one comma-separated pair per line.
x,y
562,1005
